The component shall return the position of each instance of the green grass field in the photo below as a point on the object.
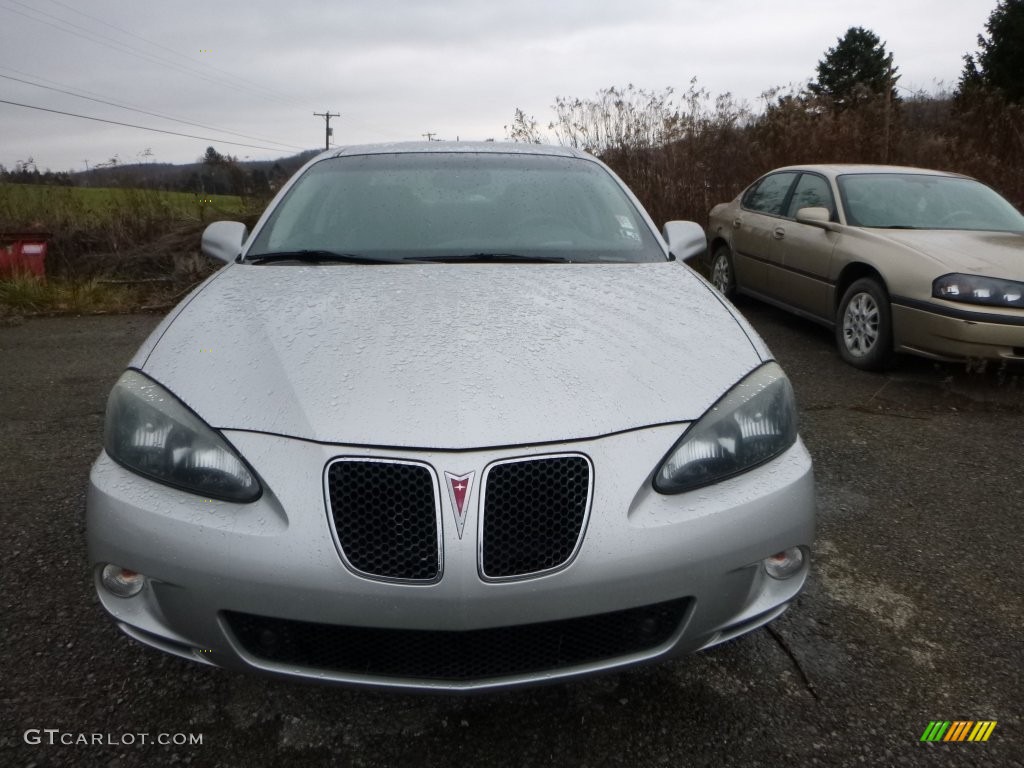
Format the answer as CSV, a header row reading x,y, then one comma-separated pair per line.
x,y
109,249
50,208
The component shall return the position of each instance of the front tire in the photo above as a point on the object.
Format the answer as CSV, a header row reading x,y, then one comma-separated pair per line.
x,y
722,275
864,326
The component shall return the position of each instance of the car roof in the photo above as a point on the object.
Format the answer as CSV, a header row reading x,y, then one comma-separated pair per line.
x,y
837,169
495,147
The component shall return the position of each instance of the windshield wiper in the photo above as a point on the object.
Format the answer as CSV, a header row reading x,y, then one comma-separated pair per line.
x,y
319,257
497,257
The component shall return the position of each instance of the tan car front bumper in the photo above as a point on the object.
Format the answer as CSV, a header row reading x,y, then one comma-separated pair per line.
x,y
944,337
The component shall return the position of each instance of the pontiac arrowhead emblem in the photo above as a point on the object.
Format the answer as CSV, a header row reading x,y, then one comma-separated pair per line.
x,y
460,488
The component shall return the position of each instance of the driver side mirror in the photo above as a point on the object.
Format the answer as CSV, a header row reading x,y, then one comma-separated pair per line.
x,y
816,217
223,240
686,239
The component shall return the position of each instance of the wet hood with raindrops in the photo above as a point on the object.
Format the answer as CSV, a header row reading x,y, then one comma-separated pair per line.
x,y
450,356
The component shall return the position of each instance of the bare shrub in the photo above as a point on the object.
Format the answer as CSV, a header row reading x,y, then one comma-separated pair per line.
x,y
682,154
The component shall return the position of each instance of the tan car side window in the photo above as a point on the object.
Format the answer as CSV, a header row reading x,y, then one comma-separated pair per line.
x,y
811,192
769,194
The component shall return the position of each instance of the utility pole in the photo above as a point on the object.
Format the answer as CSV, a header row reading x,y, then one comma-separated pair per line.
x,y
327,119
428,135
889,85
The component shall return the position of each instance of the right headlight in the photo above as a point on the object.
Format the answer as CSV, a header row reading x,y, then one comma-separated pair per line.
x,y
753,422
979,289
151,432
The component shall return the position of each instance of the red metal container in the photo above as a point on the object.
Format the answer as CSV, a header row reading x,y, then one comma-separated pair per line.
x,y
23,253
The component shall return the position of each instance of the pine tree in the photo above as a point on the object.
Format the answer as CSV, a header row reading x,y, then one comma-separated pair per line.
x,y
857,68
999,63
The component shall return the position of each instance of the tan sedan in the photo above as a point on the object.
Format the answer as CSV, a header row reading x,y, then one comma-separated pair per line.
x,y
894,259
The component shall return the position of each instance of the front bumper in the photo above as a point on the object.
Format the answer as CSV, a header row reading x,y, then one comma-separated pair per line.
x,y
967,335
207,561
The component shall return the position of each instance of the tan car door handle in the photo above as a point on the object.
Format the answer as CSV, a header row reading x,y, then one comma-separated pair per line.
x,y
779,233
737,223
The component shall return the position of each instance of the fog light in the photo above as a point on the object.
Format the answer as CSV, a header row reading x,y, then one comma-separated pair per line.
x,y
784,564
122,582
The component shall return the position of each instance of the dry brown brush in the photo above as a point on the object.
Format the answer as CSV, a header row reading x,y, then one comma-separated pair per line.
x,y
682,154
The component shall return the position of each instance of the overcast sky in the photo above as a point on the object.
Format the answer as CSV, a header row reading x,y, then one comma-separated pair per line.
x,y
397,69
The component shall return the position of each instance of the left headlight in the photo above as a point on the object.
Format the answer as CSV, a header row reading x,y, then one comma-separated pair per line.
x,y
752,423
978,289
149,431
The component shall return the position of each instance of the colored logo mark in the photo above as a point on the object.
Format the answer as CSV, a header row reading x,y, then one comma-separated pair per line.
x,y
958,730
459,489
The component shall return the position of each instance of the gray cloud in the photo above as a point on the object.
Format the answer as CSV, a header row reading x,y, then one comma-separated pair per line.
x,y
398,68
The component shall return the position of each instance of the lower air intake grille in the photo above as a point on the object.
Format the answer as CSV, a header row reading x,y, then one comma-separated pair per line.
x,y
472,655
385,515
534,511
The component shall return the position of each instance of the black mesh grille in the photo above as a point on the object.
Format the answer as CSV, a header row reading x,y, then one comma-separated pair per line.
x,y
472,655
533,514
386,518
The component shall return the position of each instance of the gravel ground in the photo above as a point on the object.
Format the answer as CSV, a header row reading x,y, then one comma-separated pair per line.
x,y
914,611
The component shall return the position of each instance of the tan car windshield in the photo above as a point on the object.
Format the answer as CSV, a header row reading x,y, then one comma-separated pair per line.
x,y
920,201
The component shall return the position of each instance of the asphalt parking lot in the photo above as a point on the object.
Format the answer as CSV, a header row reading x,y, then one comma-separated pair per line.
x,y
914,612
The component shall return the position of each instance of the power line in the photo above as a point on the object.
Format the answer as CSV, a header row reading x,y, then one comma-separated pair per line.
x,y
145,112
152,114
271,91
125,48
140,127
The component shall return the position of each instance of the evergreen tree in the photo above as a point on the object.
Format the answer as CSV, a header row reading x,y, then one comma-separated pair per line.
x,y
212,157
999,63
857,68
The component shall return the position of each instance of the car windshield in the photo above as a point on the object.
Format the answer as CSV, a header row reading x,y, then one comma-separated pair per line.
x,y
920,201
458,206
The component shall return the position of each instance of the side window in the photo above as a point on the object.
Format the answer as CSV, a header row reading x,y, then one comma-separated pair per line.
x,y
811,191
769,195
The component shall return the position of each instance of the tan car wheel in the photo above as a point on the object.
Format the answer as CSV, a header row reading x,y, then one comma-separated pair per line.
x,y
721,272
864,326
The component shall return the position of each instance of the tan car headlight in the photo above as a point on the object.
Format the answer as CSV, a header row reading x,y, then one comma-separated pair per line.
x,y
754,422
149,431
978,289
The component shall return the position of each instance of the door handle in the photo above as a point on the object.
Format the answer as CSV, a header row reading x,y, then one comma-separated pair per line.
x,y
737,223
779,233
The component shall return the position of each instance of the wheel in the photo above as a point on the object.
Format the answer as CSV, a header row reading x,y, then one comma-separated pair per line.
x,y
864,326
722,275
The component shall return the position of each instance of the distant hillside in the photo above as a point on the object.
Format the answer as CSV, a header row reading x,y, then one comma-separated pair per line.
x,y
227,177
217,174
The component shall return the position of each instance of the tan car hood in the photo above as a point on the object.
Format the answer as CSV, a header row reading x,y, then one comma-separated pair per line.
x,y
998,254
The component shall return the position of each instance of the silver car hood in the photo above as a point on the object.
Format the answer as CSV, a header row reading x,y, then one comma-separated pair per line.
x,y
999,254
450,356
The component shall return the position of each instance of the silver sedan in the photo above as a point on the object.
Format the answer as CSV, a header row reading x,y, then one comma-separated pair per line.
x,y
452,416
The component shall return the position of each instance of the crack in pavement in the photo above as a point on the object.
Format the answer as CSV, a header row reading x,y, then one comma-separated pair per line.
x,y
781,641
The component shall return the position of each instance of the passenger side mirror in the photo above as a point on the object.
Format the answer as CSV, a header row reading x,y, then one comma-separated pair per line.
x,y
223,240
816,217
686,239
